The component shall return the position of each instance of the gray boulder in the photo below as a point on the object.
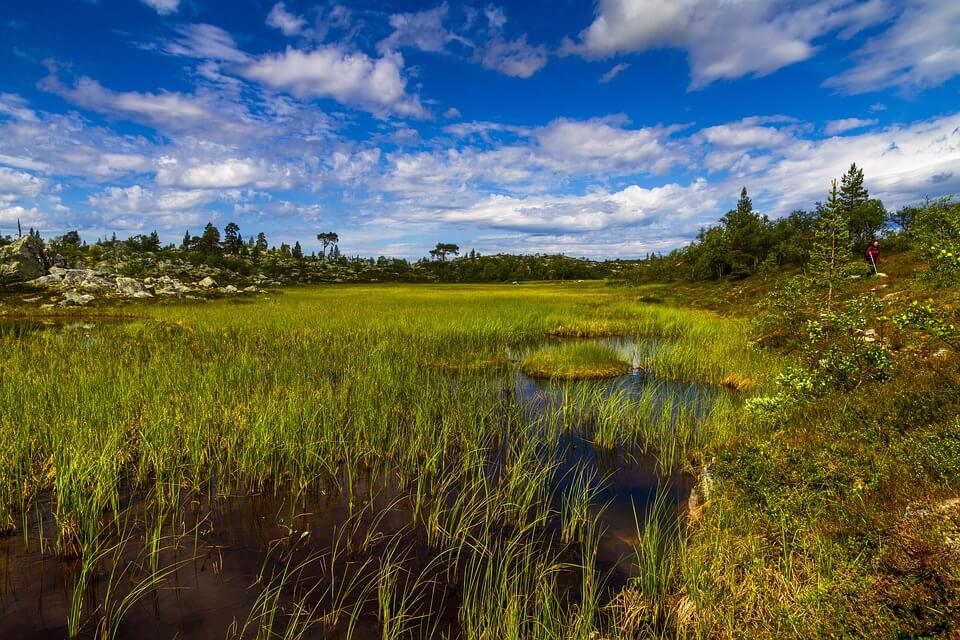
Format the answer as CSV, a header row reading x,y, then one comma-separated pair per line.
x,y
230,289
130,287
49,280
73,298
22,261
207,283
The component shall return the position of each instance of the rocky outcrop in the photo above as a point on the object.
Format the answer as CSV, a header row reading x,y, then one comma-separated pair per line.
x,y
22,261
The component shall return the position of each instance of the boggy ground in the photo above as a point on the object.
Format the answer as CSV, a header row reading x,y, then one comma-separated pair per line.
x,y
357,460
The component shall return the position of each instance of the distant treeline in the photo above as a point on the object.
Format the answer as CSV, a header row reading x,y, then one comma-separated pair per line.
x,y
246,257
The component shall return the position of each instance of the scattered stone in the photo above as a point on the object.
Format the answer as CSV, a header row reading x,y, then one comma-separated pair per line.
x,y
250,289
141,295
78,299
207,283
230,289
129,286
48,280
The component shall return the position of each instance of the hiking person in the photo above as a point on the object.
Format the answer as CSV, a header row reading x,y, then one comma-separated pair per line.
x,y
872,254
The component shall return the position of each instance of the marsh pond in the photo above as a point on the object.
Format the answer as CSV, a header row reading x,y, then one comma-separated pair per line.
x,y
355,462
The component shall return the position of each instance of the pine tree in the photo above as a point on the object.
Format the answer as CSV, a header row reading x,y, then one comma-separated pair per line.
x,y
185,245
232,241
210,241
745,237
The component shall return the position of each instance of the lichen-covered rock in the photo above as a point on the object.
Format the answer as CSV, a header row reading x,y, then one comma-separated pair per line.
x,y
72,298
207,283
22,261
129,286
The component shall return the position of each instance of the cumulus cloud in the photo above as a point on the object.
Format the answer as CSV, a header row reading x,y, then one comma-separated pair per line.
x,y
288,23
834,127
422,30
18,185
376,84
64,145
600,145
163,7
136,207
758,37
223,174
26,216
902,163
514,58
920,50
597,211
748,132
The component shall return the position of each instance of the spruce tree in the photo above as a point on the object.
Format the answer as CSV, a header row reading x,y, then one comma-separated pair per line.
x,y
830,251
852,192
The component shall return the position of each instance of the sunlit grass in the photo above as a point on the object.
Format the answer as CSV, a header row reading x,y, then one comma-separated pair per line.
x,y
568,361
403,386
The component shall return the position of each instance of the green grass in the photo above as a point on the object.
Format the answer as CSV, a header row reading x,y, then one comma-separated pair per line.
x,y
575,361
355,387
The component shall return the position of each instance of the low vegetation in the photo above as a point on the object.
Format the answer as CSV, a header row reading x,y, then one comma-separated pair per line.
x,y
575,361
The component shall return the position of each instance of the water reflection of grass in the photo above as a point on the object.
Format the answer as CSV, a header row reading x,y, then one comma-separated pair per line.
x,y
321,387
575,361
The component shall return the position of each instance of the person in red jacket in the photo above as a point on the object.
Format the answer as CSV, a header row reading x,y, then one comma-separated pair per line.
x,y
872,254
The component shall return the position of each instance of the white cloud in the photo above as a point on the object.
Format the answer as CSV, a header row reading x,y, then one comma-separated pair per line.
x,y
920,50
664,208
616,70
748,132
600,146
350,78
163,7
17,185
422,30
223,174
289,24
514,58
834,127
65,145
16,107
452,113
901,163
27,217
723,40
137,207
206,41
496,18
163,107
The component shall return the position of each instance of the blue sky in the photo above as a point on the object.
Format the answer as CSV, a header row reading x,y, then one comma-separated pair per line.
x,y
600,129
